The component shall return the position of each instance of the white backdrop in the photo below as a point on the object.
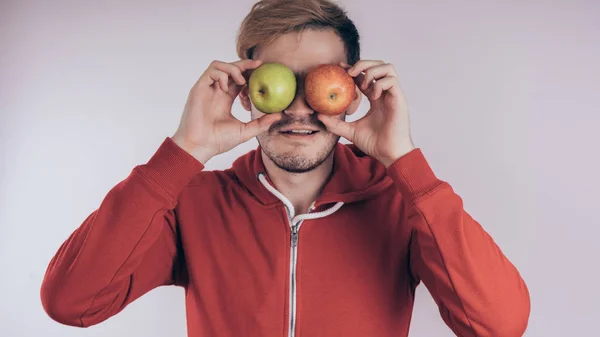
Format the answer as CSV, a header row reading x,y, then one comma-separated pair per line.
x,y
503,101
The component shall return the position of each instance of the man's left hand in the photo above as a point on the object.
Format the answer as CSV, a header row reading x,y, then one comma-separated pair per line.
x,y
384,132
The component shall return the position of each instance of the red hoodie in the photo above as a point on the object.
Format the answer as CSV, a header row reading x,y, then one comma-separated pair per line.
x,y
251,267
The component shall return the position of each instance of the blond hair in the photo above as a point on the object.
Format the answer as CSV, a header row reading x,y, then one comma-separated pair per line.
x,y
269,19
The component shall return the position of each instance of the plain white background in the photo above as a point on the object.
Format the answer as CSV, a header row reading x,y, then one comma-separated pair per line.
x,y
503,99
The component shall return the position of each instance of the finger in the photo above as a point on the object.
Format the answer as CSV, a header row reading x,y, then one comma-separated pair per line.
x,y
359,79
206,79
258,126
376,73
247,64
344,65
236,69
338,126
243,68
363,65
219,76
232,70
387,84
234,90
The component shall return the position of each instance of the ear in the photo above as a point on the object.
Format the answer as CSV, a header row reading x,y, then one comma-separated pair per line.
x,y
245,98
355,102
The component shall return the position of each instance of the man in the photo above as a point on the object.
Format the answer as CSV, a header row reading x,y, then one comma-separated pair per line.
x,y
303,236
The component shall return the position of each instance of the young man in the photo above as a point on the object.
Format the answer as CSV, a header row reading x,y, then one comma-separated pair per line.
x,y
303,236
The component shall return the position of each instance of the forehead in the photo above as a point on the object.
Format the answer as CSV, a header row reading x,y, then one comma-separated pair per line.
x,y
304,50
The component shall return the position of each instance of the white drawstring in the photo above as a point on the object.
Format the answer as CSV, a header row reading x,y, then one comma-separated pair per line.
x,y
295,222
321,214
297,219
288,204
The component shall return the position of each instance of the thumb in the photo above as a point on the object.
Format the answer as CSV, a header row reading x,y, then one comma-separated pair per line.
x,y
258,126
338,126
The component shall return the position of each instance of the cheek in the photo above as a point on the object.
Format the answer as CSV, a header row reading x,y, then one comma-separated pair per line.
x,y
325,140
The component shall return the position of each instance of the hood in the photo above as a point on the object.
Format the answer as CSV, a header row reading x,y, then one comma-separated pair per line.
x,y
355,177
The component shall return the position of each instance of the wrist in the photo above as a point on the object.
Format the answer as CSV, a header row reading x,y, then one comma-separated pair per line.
x,y
400,152
201,153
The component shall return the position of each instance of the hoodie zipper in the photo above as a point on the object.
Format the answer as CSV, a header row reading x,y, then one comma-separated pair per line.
x,y
295,229
293,272
295,222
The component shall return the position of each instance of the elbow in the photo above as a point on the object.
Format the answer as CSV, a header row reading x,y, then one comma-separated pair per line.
x,y
513,326
518,318
74,308
58,309
512,320
60,303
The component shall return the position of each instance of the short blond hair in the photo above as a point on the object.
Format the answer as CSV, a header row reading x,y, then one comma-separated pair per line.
x,y
269,19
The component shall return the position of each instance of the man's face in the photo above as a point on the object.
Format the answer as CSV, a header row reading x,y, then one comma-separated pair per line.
x,y
292,151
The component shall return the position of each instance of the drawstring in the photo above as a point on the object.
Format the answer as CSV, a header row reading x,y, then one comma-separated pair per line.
x,y
288,204
297,219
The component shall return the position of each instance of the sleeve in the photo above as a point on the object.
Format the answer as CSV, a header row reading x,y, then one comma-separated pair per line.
x,y
477,289
126,247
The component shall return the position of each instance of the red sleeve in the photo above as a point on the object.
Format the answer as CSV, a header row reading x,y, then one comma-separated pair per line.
x,y
125,248
477,289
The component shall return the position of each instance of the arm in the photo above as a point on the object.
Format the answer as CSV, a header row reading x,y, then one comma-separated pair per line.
x,y
125,248
479,292
130,244
477,289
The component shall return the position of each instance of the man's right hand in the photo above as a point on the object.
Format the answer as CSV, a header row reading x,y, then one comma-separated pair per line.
x,y
208,127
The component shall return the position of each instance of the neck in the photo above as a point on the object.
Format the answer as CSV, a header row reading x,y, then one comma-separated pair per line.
x,y
302,189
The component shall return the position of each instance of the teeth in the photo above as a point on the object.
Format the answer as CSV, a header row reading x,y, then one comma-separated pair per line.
x,y
301,131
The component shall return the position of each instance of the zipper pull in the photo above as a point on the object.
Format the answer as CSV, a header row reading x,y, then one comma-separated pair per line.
x,y
294,237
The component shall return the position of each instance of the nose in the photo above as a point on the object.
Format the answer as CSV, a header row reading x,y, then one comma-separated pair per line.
x,y
299,106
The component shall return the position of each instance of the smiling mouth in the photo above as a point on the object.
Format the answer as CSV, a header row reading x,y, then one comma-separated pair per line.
x,y
299,132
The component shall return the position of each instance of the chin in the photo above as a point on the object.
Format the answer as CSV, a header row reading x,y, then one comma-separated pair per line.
x,y
295,156
296,164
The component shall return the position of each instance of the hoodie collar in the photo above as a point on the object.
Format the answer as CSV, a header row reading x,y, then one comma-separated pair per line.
x,y
355,177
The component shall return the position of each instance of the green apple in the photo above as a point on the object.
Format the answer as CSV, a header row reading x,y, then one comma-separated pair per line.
x,y
272,87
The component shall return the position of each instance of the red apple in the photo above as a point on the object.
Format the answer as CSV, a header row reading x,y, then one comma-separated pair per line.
x,y
329,89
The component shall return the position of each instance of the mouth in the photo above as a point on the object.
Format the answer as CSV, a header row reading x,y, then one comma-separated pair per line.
x,y
299,134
